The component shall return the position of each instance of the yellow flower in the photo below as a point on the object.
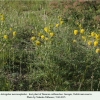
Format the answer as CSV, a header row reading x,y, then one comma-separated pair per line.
x,y
10,29
46,29
93,34
96,43
61,22
75,32
32,31
74,41
82,31
2,18
33,38
46,38
84,38
52,34
80,26
5,36
60,19
42,36
97,51
97,36
14,33
39,34
89,43
57,25
38,42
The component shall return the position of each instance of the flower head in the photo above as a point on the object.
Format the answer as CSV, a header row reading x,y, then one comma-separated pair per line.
x,y
61,22
33,38
5,37
2,18
46,38
84,38
39,34
96,43
75,32
10,29
38,42
33,31
57,25
42,36
14,33
80,26
74,41
82,31
97,36
47,29
93,34
89,43
60,18
52,34
97,51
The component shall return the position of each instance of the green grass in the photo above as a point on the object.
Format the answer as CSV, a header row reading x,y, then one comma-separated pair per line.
x,y
56,64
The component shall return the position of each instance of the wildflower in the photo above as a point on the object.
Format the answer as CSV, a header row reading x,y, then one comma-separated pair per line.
x,y
60,18
5,37
10,29
2,18
97,36
46,29
93,34
38,42
14,33
57,25
84,38
89,43
96,43
75,32
39,34
74,41
80,26
52,34
46,38
77,23
61,22
82,31
42,36
33,38
32,31
97,51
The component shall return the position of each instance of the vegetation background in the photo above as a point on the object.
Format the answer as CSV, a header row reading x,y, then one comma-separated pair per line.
x,y
50,45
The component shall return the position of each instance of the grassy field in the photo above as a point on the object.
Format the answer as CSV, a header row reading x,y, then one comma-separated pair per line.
x,y
49,45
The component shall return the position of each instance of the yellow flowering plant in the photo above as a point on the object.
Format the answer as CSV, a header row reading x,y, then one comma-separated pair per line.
x,y
97,50
74,41
52,34
5,37
47,29
90,43
75,32
38,43
57,25
96,43
14,33
33,38
93,34
82,31
42,37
